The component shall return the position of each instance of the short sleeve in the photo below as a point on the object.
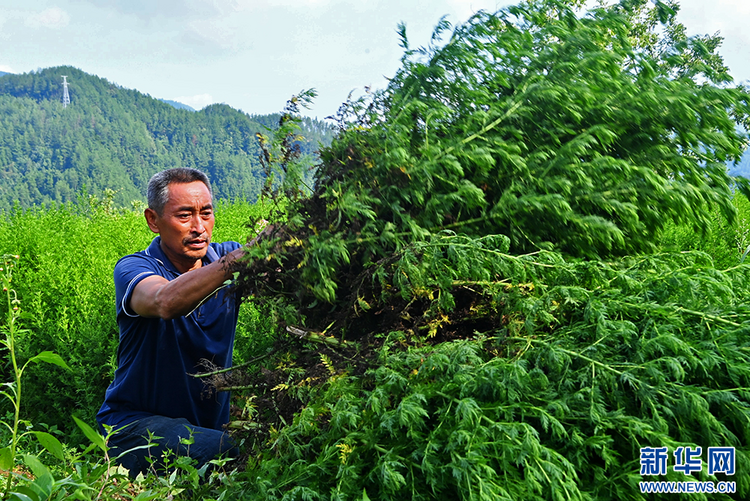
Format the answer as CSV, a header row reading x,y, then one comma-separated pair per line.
x,y
129,271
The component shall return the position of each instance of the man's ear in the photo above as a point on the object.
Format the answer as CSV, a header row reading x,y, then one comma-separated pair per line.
x,y
152,219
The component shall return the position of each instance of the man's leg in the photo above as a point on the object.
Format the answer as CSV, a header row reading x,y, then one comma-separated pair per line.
x,y
129,445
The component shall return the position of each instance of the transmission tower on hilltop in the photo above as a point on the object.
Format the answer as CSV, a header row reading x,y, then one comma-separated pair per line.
x,y
66,96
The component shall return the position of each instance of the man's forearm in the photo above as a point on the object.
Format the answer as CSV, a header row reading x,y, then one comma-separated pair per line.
x,y
168,299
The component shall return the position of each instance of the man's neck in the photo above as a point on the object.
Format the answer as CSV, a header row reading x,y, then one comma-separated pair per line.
x,y
183,265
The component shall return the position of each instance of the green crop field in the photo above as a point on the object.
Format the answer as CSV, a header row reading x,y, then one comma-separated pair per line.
x,y
473,397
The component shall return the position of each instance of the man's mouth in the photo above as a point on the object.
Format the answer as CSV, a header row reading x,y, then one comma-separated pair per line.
x,y
196,243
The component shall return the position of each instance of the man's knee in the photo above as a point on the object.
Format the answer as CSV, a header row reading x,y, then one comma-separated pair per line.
x,y
145,444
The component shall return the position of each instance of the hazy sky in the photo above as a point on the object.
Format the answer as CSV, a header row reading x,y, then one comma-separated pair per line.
x,y
255,54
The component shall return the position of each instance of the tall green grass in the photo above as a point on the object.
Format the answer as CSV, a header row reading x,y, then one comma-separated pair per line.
x,y
725,242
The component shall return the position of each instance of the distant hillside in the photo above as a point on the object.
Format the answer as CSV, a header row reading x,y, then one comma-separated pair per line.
x,y
4,73
111,137
179,106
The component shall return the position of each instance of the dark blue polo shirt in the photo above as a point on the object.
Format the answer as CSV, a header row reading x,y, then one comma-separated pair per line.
x,y
155,357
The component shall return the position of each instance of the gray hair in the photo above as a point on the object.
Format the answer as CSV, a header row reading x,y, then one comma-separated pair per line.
x,y
158,186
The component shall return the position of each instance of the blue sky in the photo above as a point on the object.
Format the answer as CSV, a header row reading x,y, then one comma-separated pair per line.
x,y
255,54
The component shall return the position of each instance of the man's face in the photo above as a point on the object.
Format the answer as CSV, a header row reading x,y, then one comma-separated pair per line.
x,y
185,224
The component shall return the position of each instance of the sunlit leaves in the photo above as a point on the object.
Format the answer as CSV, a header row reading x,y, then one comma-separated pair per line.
x,y
95,437
584,132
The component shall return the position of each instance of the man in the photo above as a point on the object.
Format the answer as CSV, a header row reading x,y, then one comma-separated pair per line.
x,y
172,312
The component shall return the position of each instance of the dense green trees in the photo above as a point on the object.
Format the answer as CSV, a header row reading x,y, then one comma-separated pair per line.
x,y
115,138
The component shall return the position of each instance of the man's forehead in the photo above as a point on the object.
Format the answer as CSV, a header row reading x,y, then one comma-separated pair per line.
x,y
189,192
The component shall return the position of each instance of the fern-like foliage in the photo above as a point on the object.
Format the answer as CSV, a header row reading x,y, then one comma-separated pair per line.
x,y
584,133
485,230
596,361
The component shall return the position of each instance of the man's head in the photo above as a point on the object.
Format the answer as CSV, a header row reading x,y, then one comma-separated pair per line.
x,y
158,186
180,210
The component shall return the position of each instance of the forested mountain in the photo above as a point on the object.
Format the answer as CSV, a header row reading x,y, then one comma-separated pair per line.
x,y
116,138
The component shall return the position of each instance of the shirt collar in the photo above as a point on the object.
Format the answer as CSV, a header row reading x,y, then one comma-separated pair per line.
x,y
154,250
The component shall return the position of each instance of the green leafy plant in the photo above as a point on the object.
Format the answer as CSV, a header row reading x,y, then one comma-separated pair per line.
x,y
595,360
13,390
483,244
281,156
583,132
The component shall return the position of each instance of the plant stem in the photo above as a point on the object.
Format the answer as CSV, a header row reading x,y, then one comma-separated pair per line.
x,y
238,366
10,329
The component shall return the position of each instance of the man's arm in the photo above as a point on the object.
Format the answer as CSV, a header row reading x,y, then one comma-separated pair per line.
x,y
156,296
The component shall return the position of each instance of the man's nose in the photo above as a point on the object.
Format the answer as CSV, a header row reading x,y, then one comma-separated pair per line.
x,y
198,225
